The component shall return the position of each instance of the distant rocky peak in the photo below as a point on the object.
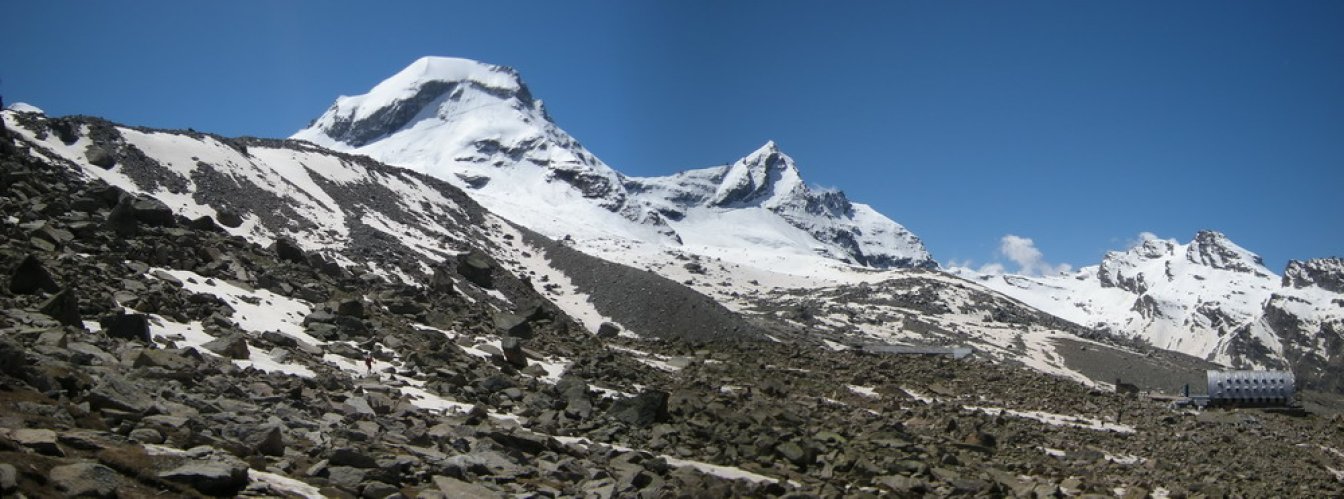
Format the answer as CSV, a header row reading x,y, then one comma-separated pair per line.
x,y
1213,249
1119,269
1325,273
1155,248
764,177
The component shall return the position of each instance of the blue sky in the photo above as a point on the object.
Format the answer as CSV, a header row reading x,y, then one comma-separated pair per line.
x,y
1078,125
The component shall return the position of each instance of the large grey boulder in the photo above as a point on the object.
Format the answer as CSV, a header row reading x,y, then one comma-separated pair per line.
x,y
99,156
477,268
126,326
117,393
349,456
42,441
512,325
152,212
289,251
232,346
452,488
229,219
64,307
641,410
268,442
216,477
9,478
30,277
85,480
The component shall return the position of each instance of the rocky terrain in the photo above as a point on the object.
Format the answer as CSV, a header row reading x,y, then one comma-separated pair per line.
x,y
148,353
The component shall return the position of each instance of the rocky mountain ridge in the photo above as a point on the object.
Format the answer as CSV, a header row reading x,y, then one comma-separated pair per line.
x,y
478,127
1209,298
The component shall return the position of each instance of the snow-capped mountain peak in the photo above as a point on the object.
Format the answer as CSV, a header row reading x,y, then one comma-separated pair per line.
x,y
1210,298
478,127
766,177
1213,249
415,93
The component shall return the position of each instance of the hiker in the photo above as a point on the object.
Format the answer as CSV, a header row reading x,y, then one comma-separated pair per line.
x,y
368,363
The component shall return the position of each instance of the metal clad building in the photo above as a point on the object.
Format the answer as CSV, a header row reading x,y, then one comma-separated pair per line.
x,y
1251,387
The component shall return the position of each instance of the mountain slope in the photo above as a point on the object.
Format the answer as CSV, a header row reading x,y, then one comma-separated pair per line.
x,y
1209,298
478,127
347,213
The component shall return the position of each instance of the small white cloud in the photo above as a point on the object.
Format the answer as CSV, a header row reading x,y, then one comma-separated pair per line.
x,y
1029,259
992,268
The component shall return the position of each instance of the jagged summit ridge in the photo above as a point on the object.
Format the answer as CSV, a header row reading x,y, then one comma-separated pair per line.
x,y
1213,249
765,177
478,127
416,92
1325,273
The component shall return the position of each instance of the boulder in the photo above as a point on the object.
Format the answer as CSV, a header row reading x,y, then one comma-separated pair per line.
x,y
442,281
351,308
39,440
216,477
204,223
794,453
477,268
99,156
126,326
85,480
452,488
574,391
642,410
608,330
346,476
30,277
349,456
115,392
513,351
512,325
289,251
64,307
121,220
232,346
166,359
9,478
482,462
14,361
152,212
494,383
902,485
269,442
378,490
146,436
65,129
229,219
